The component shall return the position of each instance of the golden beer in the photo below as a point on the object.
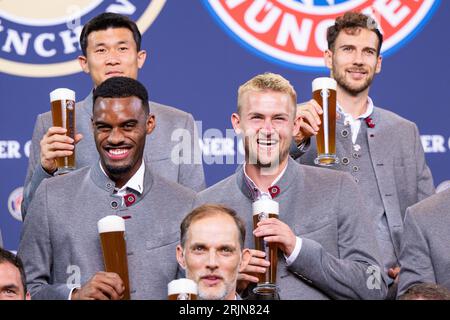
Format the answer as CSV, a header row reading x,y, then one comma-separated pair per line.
x,y
112,237
63,114
182,289
324,92
264,209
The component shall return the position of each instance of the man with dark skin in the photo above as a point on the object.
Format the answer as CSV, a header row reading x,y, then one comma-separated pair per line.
x,y
60,245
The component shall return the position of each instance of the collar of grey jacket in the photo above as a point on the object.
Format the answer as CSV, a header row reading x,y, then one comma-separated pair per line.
x,y
289,176
90,103
105,183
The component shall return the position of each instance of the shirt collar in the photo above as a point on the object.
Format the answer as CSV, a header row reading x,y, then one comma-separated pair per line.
x,y
256,192
368,112
136,182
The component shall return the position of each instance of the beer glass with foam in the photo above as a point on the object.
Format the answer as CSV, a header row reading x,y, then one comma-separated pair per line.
x,y
182,289
264,209
112,236
63,114
324,92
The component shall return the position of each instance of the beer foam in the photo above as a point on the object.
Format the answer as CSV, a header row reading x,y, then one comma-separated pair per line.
x,y
265,205
323,82
62,94
111,224
182,286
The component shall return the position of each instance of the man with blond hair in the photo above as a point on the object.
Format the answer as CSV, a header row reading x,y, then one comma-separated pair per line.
x,y
329,249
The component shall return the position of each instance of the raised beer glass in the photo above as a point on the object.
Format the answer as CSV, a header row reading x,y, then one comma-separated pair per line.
x,y
182,289
264,209
63,114
112,237
324,92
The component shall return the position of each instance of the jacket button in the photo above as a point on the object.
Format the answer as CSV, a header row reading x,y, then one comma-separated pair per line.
x,y
355,168
114,204
345,161
344,133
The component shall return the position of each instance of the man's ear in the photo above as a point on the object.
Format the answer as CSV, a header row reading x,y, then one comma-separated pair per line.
x,y
141,57
328,58
180,257
151,123
82,60
378,66
28,296
246,256
236,122
297,121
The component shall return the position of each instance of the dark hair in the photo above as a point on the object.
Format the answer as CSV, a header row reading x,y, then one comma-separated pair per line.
x,y
105,21
426,291
350,22
8,257
211,210
122,87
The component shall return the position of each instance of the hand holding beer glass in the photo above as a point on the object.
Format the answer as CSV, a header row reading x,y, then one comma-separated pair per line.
x,y
324,92
182,289
63,115
112,237
264,209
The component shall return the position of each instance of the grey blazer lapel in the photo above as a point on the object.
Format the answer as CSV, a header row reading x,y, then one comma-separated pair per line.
x,y
382,160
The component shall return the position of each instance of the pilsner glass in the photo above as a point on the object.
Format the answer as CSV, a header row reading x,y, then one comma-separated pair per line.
x,y
63,115
264,209
324,92
112,237
182,289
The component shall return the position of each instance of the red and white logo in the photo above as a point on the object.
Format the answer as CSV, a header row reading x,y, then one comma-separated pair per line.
x,y
15,203
293,32
40,38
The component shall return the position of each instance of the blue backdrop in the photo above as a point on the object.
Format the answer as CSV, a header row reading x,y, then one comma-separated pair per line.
x,y
196,63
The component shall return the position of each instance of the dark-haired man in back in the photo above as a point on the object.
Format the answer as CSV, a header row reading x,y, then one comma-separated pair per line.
x,y
60,246
380,149
111,45
13,284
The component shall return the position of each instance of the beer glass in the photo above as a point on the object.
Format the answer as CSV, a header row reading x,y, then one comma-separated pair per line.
x,y
112,237
264,209
182,289
324,92
63,115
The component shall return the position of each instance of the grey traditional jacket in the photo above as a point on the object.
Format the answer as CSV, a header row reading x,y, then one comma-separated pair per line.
x,y
339,256
395,150
60,246
159,147
425,254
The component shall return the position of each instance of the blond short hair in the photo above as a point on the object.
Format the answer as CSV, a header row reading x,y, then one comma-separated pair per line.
x,y
266,82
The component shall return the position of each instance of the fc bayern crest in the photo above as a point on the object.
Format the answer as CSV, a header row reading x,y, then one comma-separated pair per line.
x,y
293,32
15,202
40,38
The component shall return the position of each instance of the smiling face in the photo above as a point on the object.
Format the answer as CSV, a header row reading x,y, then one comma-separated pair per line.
x,y
111,53
120,127
354,60
266,121
212,256
11,287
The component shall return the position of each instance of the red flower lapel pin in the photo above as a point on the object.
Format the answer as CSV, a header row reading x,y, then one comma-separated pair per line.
x,y
370,122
